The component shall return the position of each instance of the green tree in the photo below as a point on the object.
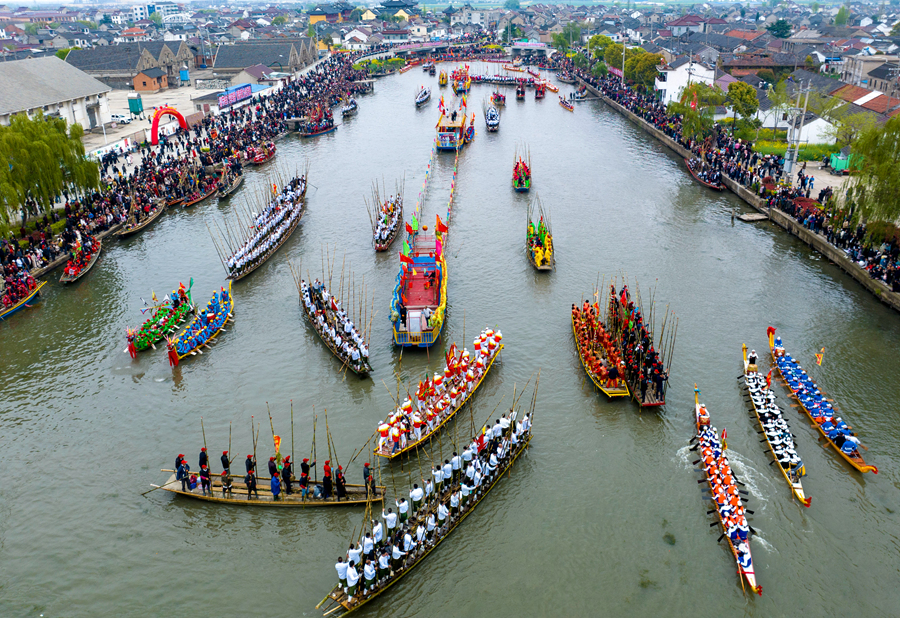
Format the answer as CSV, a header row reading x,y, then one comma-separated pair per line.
x,y
512,5
815,7
156,18
598,44
780,29
62,53
642,68
357,13
599,70
572,32
696,106
580,60
878,183
513,33
31,29
613,54
280,20
895,31
842,17
560,42
743,100
311,31
39,158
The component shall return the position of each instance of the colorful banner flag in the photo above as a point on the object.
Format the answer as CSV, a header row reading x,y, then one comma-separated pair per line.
x,y
277,443
415,222
819,356
439,225
409,229
406,259
406,248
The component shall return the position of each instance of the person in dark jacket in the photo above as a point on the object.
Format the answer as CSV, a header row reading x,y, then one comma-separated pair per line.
x,y
340,484
205,481
326,487
286,473
249,463
226,463
183,473
250,482
204,460
273,467
178,461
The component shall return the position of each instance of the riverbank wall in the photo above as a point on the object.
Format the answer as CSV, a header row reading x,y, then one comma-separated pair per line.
x,y
782,219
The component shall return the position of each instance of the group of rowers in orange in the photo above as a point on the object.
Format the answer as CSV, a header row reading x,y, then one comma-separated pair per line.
x,y
597,347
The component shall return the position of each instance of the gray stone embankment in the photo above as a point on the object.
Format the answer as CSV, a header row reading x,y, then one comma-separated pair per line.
x,y
782,219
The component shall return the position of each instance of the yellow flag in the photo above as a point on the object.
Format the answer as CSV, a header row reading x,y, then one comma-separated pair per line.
x,y
414,272
819,356
277,443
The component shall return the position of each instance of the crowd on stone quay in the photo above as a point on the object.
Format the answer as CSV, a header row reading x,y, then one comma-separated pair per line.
x,y
764,174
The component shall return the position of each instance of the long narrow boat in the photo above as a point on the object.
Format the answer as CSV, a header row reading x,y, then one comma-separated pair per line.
x,y
393,212
565,78
67,278
356,494
539,239
566,105
164,321
319,132
521,176
705,183
313,299
200,332
777,433
284,229
551,87
130,229
512,68
459,381
174,202
226,192
22,303
590,362
820,411
337,600
725,495
190,202
422,96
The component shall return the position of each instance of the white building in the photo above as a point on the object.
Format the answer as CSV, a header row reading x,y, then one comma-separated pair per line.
x,y
56,88
674,77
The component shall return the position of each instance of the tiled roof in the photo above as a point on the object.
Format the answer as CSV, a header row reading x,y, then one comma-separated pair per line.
x,y
881,104
850,93
43,81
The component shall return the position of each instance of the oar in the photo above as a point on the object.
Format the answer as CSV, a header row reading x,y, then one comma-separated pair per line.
x,y
155,487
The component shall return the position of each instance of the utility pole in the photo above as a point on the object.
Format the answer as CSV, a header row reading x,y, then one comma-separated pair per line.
x,y
797,130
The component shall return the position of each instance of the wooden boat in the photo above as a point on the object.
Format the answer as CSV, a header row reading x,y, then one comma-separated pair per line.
x,y
226,192
452,135
422,96
508,67
551,87
565,78
521,176
492,119
498,99
539,240
262,154
714,187
701,417
319,132
581,94
427,257
620,388
295,215
566,105
350,108
337,600
442,79
185,345
539,90
356,494
427,66
752,381
174,202
130,230
520,92
411,444
164,321
535,74
800,393
390,210
66,278
432,70
23,303
363,368
190,202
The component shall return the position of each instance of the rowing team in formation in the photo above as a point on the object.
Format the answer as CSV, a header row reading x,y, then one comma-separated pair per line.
x,y
815,403
725,491
16,288
388,218
598,349
705,172
430,512
82,253
269,226
540,241
334,324
778,432
204,325
439,397
643,364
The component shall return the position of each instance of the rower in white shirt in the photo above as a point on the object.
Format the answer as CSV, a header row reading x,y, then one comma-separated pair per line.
x,y
416,495
390,521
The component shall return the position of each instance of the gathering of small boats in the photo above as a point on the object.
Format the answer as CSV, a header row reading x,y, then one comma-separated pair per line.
x,y
165,319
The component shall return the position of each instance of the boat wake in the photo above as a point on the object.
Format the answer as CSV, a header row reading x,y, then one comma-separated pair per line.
x,y
748,475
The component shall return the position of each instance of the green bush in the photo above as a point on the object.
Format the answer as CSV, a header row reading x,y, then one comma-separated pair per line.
x,y
58,227
809,152
880,231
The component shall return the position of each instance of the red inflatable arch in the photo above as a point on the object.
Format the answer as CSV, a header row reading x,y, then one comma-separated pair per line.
x,y
164,111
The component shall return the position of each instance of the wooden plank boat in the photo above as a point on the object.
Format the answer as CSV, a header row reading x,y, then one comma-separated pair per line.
x,y
361,369
551,87
709,445
619,389
508,67
127,231
164,321
226,192
356,494
396,218
384,450
565,78
66,278
186,344
320,131
23,303
262,154
566,105
337,600
811,400
759,396
539,240
498,99
252,266
349,108
709,185
174,202
196,200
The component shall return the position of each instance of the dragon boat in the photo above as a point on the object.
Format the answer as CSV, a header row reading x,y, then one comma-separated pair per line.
x,y
204,327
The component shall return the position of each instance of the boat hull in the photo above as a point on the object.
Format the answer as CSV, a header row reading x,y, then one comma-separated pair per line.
x,y
318,133
66,279
224,195
123,233
612,393
23,304
706,184
199,199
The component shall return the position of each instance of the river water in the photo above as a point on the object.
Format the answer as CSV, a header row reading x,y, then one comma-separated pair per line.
x,y
604,514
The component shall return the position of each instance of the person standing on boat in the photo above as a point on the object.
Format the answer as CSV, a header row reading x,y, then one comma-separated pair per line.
x,y
250,482
204,460
226,463
415,495
226,484
340,484
341,568
286,473
250,464
305,466
352,581
183,473
390,521
275,485
377,533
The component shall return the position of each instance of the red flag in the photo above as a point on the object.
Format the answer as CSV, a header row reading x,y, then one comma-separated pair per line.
x,y
406,259
440,225
819,356
769,378
409,229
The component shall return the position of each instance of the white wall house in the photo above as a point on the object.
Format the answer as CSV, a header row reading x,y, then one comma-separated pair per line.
x,y
674,77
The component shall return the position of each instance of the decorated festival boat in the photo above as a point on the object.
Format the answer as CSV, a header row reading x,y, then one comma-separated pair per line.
x,y
498,99
438,398
462,83
598,351
30,294
507,67
566,105
442,79
774,427
422,96
133,226
724,493
203,328
520,91
452,132
319,122
81,263
711,179
261,154
498,456
565,77
521,176
539,90
198,196
270,229
335,327
420,294
539,239
349,108
165,319
817,407
492,119
550,87
580,95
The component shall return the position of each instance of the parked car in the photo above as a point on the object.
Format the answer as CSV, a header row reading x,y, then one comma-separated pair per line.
x,y
121,119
